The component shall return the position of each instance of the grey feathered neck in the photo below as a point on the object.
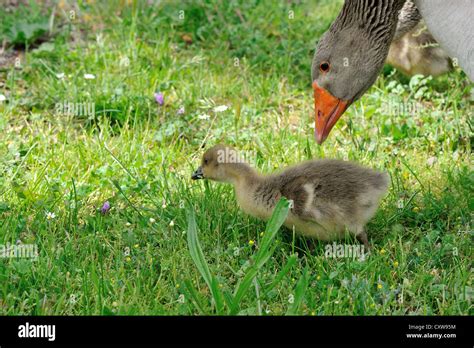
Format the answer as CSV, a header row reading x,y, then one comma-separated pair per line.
x,y
377,17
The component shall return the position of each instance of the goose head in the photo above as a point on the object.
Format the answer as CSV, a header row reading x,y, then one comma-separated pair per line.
x,y
349,57
222,163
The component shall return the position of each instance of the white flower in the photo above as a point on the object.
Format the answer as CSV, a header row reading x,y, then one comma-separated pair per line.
x,y
89,76
100,39
152,221
171,223
128,224
221,108
291,299
60,75
164,205
50,215
204,117
2,98
124,61
236,251
181,298
431,161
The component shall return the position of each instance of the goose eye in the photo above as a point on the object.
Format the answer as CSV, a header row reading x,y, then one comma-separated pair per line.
x,y
324,67
205,161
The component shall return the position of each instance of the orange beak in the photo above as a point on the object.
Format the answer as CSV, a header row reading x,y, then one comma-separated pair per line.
x,y
327,110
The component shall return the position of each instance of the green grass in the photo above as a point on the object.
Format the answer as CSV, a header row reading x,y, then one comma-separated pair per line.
x,y
139,156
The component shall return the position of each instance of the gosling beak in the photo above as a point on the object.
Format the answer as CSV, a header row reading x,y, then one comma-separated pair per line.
x,y
327,110
198,174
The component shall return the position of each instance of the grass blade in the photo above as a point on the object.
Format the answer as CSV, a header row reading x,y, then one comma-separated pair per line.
x,y
264,253
194,296
198,257
289,265
300,290
273,226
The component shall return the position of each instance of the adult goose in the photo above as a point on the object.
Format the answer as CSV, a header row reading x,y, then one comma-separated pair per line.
x,y
352,52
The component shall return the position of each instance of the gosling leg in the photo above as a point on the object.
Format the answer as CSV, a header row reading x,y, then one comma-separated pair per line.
x,y
362,237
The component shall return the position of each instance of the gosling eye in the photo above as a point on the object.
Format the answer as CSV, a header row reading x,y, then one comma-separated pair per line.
x,y
206,161
324,67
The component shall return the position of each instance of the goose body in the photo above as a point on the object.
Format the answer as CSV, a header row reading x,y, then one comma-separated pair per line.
x,y
350,55
328,196
451,24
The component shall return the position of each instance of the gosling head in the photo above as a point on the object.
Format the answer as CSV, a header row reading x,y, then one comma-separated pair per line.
x,y
221,163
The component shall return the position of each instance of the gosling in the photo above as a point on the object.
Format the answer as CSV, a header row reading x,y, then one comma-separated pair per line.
x,y
417,52
329,197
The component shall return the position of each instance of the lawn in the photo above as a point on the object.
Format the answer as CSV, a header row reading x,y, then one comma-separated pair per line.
x,y
82,123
